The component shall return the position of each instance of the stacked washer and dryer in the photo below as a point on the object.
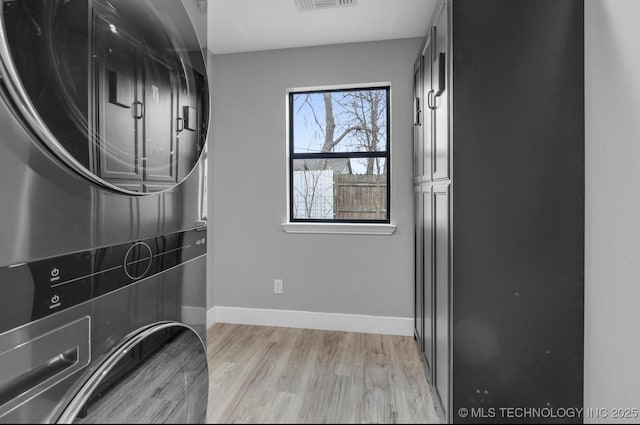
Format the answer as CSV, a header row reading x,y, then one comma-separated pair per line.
x,y
103,121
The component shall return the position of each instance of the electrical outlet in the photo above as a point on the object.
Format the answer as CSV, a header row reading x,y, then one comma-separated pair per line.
x,y
278,287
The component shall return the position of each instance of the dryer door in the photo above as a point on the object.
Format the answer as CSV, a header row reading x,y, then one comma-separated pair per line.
x,y
159,375
115,88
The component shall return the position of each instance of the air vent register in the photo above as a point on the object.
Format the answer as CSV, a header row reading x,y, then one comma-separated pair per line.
x,y
307,5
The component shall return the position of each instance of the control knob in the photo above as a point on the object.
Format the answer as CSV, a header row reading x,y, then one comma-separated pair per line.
x,y
138,260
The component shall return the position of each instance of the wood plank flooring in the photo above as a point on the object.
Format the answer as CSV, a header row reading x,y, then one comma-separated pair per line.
x,y
283,375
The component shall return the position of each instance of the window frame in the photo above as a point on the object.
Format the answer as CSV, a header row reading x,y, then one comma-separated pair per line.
x,y
292,155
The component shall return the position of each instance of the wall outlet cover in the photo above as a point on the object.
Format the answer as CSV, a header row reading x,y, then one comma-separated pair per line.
x,y
278,286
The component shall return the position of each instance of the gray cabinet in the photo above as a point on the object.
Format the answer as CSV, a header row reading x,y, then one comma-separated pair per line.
x,y
118,85
424,269
441,287
499,206
431,173
439,94
148,114
424,116
419,287
418,122
160,88
426,282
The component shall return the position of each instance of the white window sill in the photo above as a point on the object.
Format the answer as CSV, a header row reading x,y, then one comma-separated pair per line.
x,y
340,228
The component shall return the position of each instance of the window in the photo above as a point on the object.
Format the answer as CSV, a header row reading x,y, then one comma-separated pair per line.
x,y
339,155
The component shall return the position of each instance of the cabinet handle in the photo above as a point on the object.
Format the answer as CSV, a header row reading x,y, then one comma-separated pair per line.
x,y
442,82
138,109
431,101
179,125
417,120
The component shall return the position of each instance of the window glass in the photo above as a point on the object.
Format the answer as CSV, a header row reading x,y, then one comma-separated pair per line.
x,y
340,121
339,155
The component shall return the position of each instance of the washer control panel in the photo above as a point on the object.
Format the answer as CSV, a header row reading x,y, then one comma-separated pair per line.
x,y
61,282
138,260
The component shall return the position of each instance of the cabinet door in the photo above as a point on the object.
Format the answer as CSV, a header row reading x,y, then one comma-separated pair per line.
x,y
427,274
418,117
159,117
117,57
441,275
419,283
427,125
189,122
439,99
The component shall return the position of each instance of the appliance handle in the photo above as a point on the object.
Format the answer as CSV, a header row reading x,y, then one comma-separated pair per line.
x,y
35,365
38,376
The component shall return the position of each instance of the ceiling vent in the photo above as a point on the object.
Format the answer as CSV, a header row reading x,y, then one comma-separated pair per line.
x,y
306,5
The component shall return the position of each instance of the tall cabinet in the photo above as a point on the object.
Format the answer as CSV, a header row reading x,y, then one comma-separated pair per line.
x,y
499,207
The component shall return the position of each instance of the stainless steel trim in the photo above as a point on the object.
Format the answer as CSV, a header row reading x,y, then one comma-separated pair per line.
x,y
16,91
70,413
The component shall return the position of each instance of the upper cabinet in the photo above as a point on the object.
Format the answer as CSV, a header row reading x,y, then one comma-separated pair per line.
x,y
427,126
431,102
418,121
438,95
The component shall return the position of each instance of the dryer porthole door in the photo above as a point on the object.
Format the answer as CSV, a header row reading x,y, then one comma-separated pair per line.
x,y
158,376
117,89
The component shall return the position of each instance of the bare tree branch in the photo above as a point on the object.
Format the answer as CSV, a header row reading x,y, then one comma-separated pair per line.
x,y
313,112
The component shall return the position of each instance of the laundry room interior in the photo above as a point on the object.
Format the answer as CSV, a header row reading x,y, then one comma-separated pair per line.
x,y
319,211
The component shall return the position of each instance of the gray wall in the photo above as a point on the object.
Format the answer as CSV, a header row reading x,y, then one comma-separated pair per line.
x,y
366,274
612,345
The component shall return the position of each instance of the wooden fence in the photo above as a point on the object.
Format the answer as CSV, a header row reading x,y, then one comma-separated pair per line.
x,y
362,197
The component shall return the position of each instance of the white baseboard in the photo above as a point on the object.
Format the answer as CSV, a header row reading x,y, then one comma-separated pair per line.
x,y
311,320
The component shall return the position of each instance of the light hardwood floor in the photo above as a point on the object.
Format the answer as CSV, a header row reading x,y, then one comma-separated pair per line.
x,y
283,375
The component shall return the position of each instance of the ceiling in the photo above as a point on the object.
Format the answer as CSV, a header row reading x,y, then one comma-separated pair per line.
x,y
252,25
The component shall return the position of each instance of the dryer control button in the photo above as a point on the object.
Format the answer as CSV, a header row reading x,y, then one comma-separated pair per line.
x,y
54,302
137,261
